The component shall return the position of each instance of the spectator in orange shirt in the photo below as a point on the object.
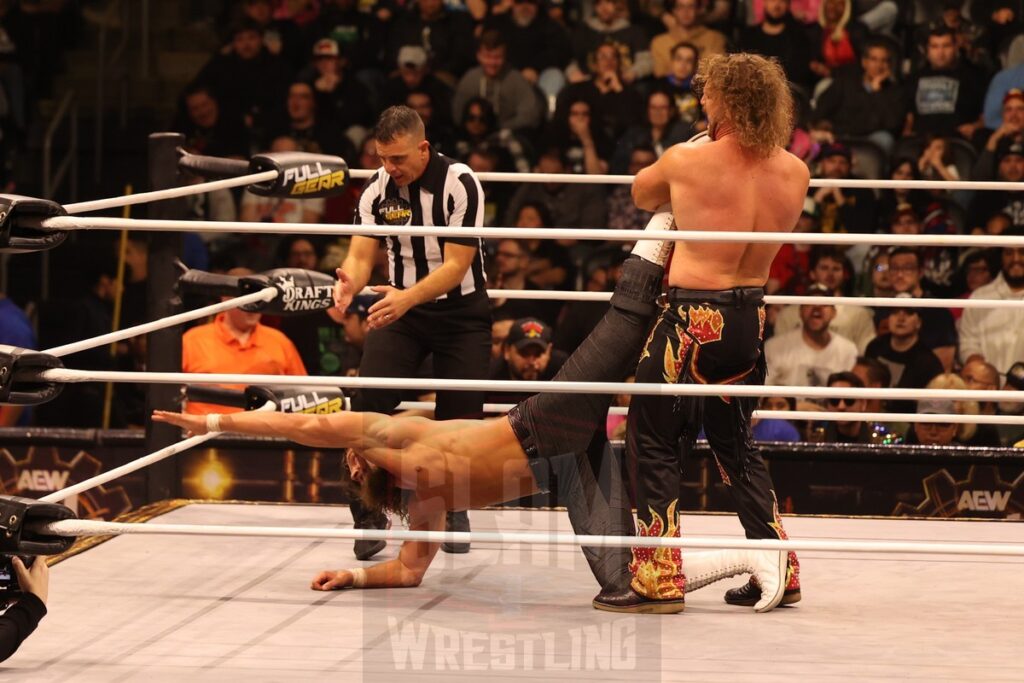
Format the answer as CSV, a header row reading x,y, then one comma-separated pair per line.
x,y
236,342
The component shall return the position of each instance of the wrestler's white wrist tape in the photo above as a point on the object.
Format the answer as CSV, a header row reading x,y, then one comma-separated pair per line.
x,y
358,577
657,251
213,423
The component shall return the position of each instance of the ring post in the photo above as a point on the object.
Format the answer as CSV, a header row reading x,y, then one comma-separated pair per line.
x,y
163,480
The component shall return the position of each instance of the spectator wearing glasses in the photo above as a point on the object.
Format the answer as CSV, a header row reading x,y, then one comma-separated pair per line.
x,y
660,130
933,433
967,433
938,331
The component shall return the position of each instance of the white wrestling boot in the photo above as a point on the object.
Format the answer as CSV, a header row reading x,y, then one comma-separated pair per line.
x,y
769,566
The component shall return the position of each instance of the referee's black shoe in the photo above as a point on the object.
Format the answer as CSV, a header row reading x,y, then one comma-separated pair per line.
x,y
456,521
364,550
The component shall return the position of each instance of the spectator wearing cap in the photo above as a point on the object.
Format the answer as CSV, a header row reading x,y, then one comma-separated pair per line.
x,y
536,45
354,328
414,75
1010,128
340,97
967,433
933,433
687,26
358,33
781,36
445,34
609,25
248,78
828,273
313,132
528,356
842,209
807,356
996,335
1001,85
910,362
515,102
1009,168
945,95
938,331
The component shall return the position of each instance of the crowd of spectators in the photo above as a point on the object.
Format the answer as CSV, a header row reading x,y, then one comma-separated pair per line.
x,y
900,89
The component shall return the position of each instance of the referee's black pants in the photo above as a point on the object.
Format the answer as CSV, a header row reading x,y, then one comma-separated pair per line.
x,y
457,333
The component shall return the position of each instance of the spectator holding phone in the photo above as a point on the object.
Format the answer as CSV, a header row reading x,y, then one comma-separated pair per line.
x,y
25,607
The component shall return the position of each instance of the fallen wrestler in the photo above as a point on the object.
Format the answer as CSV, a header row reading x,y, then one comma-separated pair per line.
x,y
423,468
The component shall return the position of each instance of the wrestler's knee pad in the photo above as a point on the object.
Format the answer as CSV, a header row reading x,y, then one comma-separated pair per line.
x,y
639,286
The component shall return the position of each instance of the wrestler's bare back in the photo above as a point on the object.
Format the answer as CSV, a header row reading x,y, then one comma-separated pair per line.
x,y
720,186
466,463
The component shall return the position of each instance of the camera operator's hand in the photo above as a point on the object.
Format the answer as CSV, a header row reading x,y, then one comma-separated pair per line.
x,y
35,580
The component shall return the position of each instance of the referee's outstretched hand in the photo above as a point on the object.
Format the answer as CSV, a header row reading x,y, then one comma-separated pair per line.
x,y
343,291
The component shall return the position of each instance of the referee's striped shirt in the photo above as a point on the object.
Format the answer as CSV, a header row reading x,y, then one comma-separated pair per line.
x,y
447,194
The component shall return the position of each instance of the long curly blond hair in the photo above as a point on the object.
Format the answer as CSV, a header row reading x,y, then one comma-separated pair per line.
x,y
756,97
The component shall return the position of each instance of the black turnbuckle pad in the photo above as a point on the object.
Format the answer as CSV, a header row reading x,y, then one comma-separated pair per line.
x,y
299,291
20,381
19,224
19,522
309,400
301,175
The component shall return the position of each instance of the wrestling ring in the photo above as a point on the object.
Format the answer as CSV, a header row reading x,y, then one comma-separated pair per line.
x,y
219,590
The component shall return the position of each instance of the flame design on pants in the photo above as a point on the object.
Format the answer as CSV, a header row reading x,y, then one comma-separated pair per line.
x,y
658,572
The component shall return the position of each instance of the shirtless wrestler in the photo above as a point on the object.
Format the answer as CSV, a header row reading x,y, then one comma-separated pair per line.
x,y
423,468
711,330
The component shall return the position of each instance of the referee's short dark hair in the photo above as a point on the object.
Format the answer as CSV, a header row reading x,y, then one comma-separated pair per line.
x,y
398,120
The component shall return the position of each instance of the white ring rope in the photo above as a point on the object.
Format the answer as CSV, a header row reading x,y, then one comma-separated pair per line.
x,y
171,193
82,527
532,387
139,463
265,294
604,235
781,299
819,415
611,179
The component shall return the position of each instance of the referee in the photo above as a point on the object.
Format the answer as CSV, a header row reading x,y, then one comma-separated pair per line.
x,y
436,300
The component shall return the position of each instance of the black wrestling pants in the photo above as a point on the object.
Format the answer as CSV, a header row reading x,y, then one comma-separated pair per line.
x,y
559,432
701,337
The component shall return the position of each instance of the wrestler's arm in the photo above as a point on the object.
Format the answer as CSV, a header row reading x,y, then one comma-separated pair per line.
x,y
405,571
337,430
652,185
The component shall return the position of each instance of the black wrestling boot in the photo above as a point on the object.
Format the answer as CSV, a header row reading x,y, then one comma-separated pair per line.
x,y
364,519
628,601
456,521
748,594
